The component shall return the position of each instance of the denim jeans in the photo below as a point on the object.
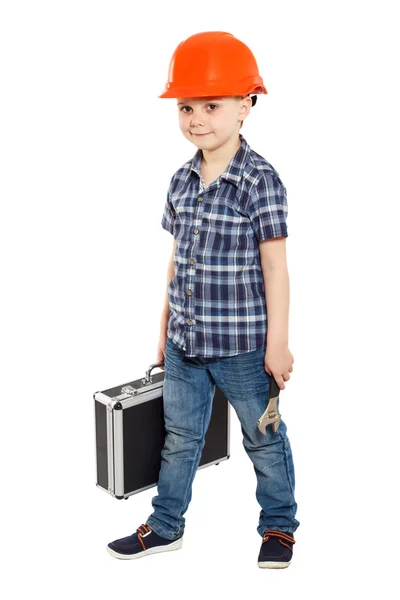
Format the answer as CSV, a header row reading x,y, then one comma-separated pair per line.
x,y
188,390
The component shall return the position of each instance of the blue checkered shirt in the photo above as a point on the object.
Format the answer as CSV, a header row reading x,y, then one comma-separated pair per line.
x,y
217,295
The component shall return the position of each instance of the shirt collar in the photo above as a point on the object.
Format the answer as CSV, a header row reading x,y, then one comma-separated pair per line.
x,y
234,170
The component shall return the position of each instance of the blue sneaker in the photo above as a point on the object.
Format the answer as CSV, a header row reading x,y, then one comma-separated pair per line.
x,y
145,541
276,549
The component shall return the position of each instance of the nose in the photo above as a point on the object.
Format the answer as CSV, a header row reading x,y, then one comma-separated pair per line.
x,y
196,119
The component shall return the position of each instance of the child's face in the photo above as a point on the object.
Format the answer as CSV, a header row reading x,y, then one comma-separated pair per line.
x,y
210,121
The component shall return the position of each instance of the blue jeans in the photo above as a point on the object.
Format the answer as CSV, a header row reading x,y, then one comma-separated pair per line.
x,y
188,390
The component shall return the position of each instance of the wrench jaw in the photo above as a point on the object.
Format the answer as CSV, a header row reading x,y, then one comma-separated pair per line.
x,y
276,423
270,416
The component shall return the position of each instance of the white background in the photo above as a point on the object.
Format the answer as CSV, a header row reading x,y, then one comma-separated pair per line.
x,y
87,152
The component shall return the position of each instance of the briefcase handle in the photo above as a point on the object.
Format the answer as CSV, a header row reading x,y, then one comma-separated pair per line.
x,y
147,378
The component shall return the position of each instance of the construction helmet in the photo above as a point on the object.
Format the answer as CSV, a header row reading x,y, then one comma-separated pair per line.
x,y
213,63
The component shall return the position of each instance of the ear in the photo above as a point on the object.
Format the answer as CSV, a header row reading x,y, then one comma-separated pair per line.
x,y
245,106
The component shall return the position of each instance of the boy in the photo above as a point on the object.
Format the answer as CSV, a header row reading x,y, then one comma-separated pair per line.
x,y
226,209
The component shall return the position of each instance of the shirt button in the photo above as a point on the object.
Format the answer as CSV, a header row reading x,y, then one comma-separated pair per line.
x,y
191,261
189,292
200,198
189,322
196,230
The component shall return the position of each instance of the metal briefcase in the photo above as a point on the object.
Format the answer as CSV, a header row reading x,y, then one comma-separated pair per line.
x,y
130,433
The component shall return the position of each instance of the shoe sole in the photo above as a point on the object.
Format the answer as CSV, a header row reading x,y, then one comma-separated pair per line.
x,y
168,547
273,564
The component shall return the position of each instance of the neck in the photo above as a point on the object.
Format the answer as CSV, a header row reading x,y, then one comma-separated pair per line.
x,y
223,154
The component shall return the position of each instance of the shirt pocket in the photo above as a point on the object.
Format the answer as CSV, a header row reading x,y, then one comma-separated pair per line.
x,y
184,216
184,210
226,223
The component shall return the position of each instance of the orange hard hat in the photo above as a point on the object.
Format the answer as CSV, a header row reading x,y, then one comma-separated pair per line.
x,y
213,63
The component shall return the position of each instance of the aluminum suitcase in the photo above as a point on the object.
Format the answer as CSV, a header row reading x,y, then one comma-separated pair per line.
x,y
130,433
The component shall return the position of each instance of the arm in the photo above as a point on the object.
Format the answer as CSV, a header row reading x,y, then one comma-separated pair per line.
x,y
278,359
277,289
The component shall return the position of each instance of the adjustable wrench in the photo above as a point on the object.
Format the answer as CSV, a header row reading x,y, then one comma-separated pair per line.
x,y
271,416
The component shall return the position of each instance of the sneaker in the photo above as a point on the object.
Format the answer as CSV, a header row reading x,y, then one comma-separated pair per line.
x,y
276,549
144,541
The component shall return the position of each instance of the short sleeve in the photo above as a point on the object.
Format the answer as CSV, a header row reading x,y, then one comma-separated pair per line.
x,y
268,208
168,218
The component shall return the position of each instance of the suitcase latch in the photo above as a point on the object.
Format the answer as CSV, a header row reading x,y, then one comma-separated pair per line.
x,y
129,389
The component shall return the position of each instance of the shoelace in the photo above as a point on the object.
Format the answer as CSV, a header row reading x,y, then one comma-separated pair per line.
x,y
281,535
142,530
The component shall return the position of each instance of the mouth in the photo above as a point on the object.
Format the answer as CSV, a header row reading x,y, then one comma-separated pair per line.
x,y
201,134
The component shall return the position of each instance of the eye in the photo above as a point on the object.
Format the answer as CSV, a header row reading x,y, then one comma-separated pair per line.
x,y
184,111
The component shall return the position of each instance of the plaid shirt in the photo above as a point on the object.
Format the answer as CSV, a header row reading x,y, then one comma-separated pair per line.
x,y
217,295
